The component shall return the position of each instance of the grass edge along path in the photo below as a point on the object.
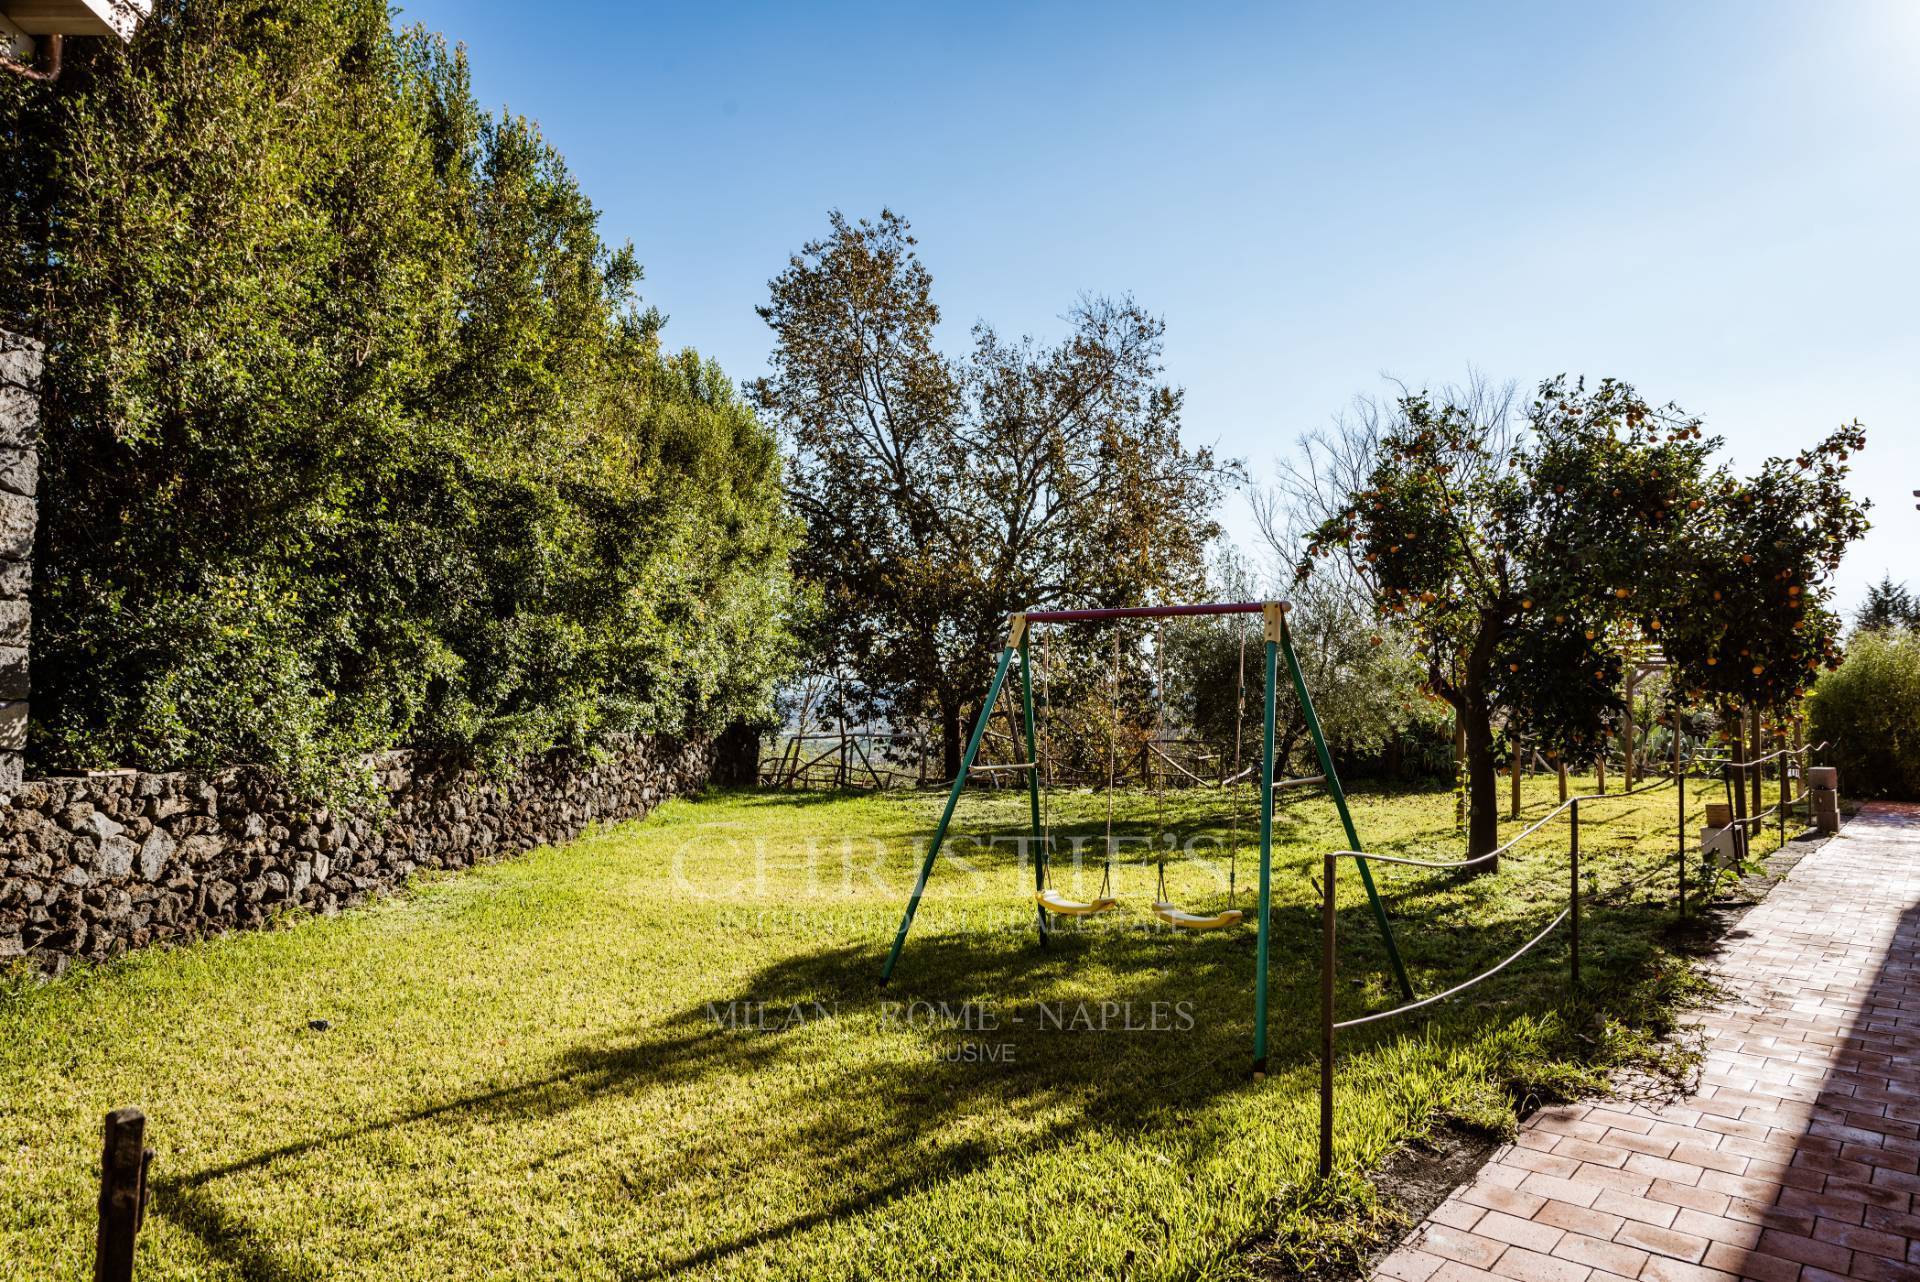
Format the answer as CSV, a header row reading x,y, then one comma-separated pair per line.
x,y
553,1066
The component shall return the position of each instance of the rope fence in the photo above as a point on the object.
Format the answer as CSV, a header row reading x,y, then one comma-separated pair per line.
x,y
1726,769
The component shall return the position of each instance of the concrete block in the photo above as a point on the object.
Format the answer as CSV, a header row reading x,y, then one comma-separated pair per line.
x,y
13,726
19,516
16,623
19,398
13,672
19,470
1721,843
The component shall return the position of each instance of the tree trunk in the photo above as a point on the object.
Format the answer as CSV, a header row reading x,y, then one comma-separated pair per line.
x,y
736,756
1483,786
950,746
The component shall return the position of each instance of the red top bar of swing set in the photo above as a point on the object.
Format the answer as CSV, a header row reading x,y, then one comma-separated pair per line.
x,y
1149,611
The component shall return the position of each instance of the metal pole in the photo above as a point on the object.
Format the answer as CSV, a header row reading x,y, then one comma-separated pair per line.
x,y
1340,804
1033,785
946,816
1266,851
1330,867
1573,871
124,1158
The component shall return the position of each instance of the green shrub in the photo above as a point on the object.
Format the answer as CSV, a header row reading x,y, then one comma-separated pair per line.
x,y
356,432
1869,707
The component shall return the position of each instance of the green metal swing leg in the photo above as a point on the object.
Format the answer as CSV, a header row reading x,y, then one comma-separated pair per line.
x,y
946,816
1340,804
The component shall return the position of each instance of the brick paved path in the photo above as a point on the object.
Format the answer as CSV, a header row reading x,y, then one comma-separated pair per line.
x,y
1796,1161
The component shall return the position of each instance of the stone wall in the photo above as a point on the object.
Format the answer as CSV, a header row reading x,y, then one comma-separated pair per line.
x,y
93,866
19,477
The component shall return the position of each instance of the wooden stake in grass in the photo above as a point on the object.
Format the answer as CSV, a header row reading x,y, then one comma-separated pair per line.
x,y
1459,773
1627,728
124,1158
1513,809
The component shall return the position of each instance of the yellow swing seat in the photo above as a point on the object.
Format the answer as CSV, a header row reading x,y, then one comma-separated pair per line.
x,y
1178,917
1058,904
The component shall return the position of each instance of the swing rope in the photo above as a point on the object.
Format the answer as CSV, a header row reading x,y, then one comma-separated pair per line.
x,y
1113,727
1046,756
1159,775
1164,908
1050,899
1233,808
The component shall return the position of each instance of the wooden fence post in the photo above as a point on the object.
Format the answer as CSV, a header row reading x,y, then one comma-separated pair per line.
x,y
1680,842
1329,917
1514,747
1627,727
1573,885
123,1194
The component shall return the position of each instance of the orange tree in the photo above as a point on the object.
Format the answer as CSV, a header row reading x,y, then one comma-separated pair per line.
x,y
1517,559
1757,626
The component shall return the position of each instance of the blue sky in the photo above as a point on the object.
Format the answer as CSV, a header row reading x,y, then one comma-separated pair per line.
x,y
1715,201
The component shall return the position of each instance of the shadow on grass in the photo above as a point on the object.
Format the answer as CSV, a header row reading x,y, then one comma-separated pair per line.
x,y
873,1128
883,1126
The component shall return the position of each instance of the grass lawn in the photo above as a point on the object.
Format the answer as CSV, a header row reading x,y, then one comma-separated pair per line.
x,y
531,1071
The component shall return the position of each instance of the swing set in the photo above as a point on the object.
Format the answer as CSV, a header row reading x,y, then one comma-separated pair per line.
x,y
1049,900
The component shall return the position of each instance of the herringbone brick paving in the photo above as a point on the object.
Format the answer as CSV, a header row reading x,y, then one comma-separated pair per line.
x,y
1799,1158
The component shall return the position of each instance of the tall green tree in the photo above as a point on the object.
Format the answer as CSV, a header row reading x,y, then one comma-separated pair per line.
x,y
1520,559
1868,711
1888,605
941,493
357,432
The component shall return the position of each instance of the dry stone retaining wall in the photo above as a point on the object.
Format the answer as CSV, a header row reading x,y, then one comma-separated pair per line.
x,y
93,866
